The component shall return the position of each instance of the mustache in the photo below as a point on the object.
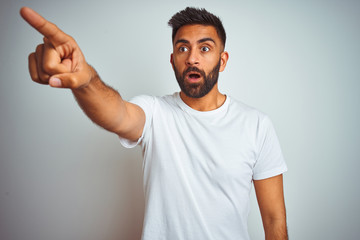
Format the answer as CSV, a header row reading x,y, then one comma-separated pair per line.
x,y
193,69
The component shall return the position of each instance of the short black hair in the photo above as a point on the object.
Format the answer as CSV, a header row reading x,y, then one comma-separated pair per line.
x,y
191,16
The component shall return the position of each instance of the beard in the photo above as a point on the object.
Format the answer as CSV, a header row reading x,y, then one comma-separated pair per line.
x,y
197,90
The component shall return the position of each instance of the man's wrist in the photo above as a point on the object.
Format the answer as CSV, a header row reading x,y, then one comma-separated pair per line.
x,y
93,80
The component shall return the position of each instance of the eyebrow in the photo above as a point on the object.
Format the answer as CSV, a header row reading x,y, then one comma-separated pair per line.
x,y
199,41
205,40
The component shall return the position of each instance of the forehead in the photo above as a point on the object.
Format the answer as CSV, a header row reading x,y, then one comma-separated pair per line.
x,y
196,32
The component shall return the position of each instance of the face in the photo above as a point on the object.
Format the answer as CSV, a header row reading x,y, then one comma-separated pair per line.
x,y
197,59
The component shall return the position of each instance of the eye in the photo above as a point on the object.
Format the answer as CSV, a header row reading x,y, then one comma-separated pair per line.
x,y
205,49
183,49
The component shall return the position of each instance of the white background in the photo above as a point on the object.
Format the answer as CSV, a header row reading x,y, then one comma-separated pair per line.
x,y
63,178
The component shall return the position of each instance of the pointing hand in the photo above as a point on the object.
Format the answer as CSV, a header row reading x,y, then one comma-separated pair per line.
x,y
58,61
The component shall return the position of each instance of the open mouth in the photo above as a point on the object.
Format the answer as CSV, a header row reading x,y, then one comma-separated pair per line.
x,y
193,76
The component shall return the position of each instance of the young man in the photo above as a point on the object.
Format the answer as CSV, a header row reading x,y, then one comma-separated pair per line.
x,y
202,149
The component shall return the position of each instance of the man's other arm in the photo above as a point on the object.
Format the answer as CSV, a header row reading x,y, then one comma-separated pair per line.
x,y
270,197
59,62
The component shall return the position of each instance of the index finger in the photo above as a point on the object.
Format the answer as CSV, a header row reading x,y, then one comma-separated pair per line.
x,y
46,28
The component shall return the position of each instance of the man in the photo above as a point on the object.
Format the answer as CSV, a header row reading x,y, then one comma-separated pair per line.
x,y
202,149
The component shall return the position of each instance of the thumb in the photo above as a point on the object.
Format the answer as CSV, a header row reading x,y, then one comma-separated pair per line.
x,y
55,82
67,80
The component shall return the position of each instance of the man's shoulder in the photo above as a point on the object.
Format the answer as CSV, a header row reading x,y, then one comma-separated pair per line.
x,y
152,102
151,98
240,107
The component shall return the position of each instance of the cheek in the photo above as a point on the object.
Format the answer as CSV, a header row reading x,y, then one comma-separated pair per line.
x,y
178,63
211,59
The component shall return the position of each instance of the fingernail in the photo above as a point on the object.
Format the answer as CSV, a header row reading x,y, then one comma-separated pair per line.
x,y
55,82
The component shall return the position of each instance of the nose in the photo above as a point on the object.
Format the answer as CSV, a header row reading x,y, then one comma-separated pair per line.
x,y
192,59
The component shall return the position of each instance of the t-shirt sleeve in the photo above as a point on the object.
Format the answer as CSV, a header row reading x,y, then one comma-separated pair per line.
x,y
270,161
146,103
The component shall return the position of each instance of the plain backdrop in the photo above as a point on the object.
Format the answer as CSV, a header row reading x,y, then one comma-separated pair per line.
x,y
63,178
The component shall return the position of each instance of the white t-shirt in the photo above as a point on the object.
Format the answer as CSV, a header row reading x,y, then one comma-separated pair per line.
x,y
199,166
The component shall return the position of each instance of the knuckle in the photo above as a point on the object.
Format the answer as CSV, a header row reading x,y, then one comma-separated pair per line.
x,y
36,79
39,47
72,82
32,60
31,56
49,66
35,73
44,77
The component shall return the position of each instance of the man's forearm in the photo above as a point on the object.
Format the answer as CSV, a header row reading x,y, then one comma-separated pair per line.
x,y
275,230
101,103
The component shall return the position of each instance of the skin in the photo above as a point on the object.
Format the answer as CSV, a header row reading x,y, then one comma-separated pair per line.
x,y
191,38
270,197
59,62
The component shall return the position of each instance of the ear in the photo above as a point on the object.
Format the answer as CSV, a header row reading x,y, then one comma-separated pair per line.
x,y
172,61
223,60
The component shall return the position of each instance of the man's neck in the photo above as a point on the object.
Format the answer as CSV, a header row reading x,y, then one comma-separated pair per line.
x,y
211,101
